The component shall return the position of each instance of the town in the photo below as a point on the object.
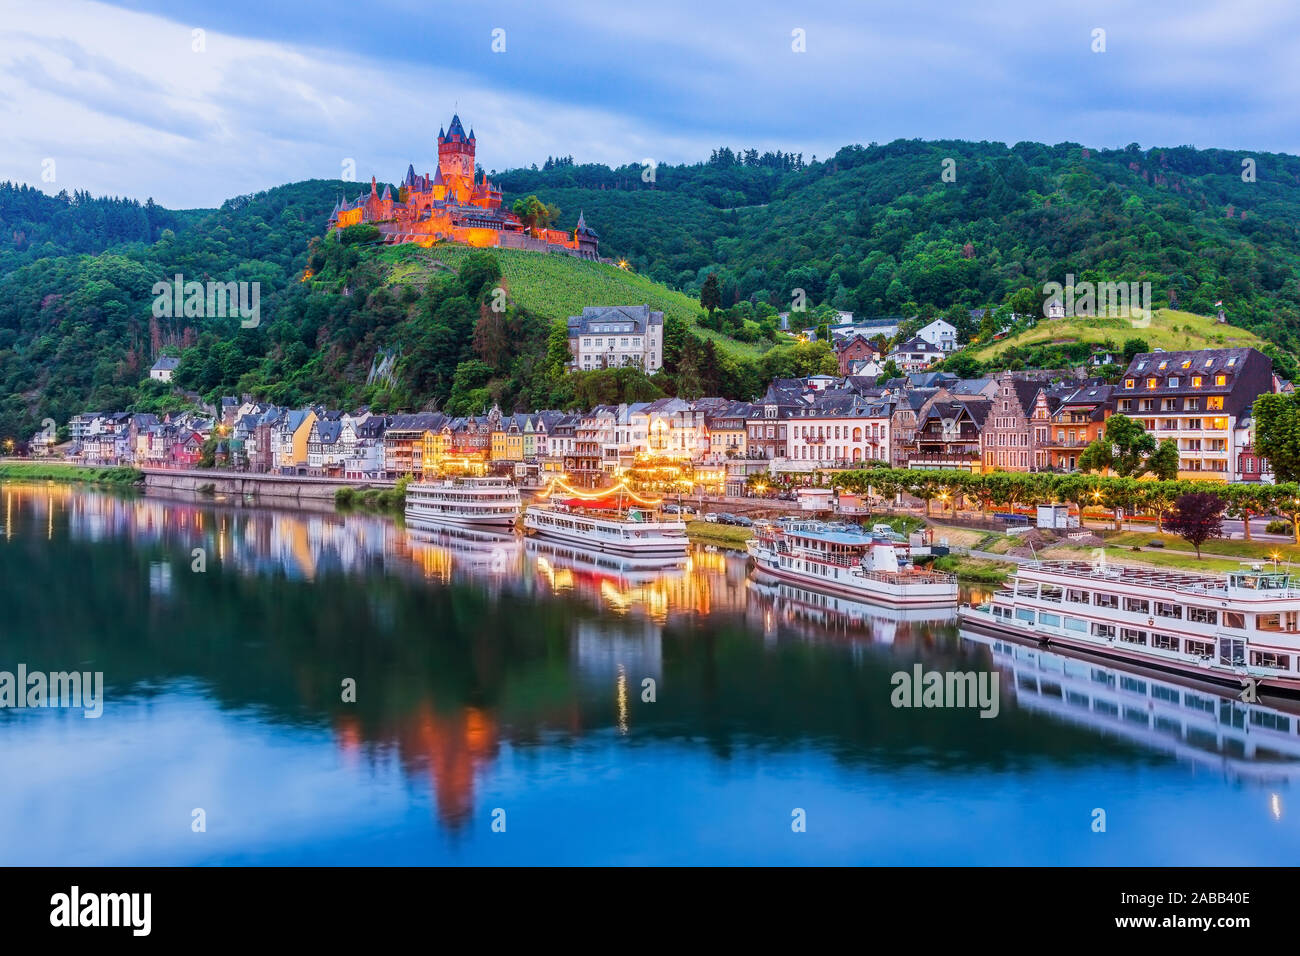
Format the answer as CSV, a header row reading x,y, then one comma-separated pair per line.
x,y
797,433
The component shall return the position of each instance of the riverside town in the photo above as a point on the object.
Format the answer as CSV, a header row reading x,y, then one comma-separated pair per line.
x,y
549,454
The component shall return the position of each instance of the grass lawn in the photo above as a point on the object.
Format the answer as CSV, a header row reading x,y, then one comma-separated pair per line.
x,y
959,537
1168,330
974,570
1245,550
55,471
723,535
557,286
1151,557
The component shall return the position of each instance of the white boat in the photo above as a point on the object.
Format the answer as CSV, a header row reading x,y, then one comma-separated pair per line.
x,y
1239,630
602,524
465,502
850,562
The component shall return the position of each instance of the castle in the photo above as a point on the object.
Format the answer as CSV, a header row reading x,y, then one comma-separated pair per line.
x,y
453,206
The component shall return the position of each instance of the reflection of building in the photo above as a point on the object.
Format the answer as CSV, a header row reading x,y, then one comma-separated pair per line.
x,y
634,648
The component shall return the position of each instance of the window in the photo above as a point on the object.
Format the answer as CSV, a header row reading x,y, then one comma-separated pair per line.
x,y
1270,659
1169,610
1076,624
1076,597
1025,614
1173,381
1193,404
1234,619
1220,380
1103,630
1196,381
1050,593
1152,382
1137,605
1215,403
1128,383
1132,636
1199,648
1164,642
1126,404
1051,620
1106,600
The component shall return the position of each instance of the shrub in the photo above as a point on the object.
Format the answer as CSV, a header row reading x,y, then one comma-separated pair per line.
x,y
345,498
1278,527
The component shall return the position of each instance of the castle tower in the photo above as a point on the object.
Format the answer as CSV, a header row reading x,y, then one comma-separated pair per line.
x,y
456,161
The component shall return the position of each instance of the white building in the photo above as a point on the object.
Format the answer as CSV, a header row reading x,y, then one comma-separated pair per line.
x,y
915,355
840,436
942,335
616,336
164,368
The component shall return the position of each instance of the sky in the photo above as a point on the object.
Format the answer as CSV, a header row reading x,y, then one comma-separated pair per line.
x,y
191,102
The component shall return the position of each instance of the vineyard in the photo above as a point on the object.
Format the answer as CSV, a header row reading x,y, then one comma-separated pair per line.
x,y
556,286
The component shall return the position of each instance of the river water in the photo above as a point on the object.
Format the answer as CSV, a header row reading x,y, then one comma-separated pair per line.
x,y
500,712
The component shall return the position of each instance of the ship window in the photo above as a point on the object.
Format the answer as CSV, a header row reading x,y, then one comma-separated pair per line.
x,y
1234,619
1076,624
1076,597
1201,615
1270,659
1169,610
1025,614
1106,600
1103,630
1051,620
1137,605
1132,636
1164,642
1050,592
1268,622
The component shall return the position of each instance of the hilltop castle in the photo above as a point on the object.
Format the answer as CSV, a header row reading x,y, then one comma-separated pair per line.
x,y
453,206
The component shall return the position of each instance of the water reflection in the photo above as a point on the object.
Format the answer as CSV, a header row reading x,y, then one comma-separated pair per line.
x,y
485,662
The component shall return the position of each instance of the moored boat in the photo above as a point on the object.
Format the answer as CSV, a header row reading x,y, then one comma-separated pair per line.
x,y
466,502
1240,630
616,521
850,562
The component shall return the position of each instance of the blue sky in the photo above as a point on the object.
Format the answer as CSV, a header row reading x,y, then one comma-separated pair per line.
x,y
115,98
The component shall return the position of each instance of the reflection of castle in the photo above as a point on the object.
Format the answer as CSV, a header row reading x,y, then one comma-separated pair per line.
x,y
453,206
1201,726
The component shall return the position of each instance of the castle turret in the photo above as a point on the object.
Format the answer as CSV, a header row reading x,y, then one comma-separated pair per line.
x,y
456,161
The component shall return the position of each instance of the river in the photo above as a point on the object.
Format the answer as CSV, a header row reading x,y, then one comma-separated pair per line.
x,y
284,687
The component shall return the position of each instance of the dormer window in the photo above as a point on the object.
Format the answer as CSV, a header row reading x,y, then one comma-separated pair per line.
x,y
1152,382
1173,381
1129,383
1196,381
1220,380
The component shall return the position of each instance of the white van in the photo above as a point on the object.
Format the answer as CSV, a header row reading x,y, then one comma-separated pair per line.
x,y
885,529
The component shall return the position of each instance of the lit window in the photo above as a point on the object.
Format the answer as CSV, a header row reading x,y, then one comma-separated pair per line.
x,y
1152,382
1215,403
1128,383
1196,381
1220,380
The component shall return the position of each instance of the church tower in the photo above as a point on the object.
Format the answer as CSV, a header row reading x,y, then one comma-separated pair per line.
x,y
456,161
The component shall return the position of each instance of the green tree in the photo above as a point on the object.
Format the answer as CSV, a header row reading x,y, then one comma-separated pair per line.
x,y
1277,434
710,294
1126,449
1133,347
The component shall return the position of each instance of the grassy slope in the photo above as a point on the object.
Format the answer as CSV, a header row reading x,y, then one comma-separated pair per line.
x,y
557,286
1169,330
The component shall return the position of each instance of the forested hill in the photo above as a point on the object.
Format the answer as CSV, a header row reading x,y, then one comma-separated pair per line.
x,y
877,230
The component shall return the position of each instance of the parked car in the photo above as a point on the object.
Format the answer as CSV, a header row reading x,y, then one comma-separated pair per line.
x,y
671,510
711,517
725,517
742,521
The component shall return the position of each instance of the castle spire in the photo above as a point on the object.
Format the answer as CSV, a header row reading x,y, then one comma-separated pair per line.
x,y
373,191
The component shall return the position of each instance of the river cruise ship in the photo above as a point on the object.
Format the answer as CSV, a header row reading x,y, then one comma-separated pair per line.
x,y
605,524
849,562
1238,630
465,502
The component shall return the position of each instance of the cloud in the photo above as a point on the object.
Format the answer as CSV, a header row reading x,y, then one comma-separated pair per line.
x,y
287,91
